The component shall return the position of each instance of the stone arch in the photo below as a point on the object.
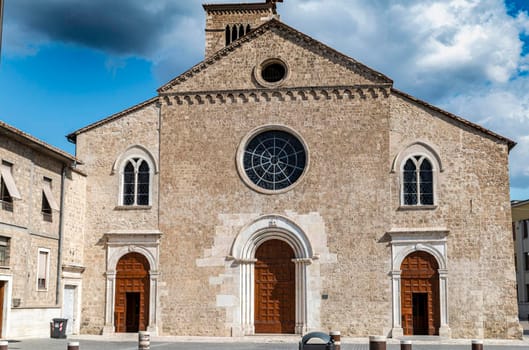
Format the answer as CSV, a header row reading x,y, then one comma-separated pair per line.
x,y
253,235
418,147
417,154
271,227
439,257
116,255
132,152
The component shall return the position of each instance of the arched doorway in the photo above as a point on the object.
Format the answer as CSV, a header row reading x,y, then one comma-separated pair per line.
x,y
275,288
420,294
131,310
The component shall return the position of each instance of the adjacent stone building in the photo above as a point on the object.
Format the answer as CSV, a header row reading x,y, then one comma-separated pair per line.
x,y
520,237
280,186
41,235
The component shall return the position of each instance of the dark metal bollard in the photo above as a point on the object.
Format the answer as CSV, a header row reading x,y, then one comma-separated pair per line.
x,y
335,337
477,344
377,342
73,345
405,345
3,344
144,341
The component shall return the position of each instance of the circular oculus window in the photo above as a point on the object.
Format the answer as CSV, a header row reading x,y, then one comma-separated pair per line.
x,y
271,73
273,160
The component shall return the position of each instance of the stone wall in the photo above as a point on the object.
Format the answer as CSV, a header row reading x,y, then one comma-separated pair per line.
x,y
345,186
347,204
28,232
100,149
473,204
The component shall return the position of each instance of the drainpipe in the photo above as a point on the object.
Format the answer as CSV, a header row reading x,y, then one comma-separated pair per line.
x,y
61,229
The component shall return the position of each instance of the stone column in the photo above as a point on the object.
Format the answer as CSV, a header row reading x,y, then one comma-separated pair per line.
x,y
444,330
397,330
247,268
110,302
302,310
153,303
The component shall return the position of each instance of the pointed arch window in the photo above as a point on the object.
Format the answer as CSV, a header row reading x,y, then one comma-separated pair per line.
x,y
418,184
136,182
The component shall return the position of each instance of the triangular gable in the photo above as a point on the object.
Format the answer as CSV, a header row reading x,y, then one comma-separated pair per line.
x,y
510,143
72,137
287,32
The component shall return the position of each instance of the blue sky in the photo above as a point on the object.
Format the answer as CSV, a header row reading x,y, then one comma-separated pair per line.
x,y
68,63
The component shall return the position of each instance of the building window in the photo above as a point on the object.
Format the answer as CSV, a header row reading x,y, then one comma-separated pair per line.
x,y
136,182
235,31
8,189
527,293
43,269
49,204
524,228
4,251
515,262
417,186
526,257
272,160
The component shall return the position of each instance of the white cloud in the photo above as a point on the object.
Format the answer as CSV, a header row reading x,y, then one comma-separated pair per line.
x,y
463,55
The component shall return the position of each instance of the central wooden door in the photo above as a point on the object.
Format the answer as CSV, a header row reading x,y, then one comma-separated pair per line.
x,y
275,288
420,295
131,311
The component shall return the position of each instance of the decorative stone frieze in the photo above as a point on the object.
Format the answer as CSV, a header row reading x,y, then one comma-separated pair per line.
x,y
282,95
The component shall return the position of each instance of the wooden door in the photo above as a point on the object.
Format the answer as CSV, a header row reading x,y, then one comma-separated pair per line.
x,y
275,288
131,309
420,295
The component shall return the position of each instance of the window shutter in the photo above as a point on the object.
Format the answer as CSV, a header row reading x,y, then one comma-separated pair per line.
x,y
5,171
49,196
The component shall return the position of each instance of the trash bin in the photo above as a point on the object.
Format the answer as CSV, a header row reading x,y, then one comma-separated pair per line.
x,y
324,342
58,328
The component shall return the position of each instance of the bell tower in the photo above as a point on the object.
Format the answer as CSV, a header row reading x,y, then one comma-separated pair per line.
x,y
226,23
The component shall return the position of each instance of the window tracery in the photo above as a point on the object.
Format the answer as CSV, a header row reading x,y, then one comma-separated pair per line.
x,y
136,182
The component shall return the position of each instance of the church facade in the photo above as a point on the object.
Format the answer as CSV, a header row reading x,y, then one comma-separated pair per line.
x,y
280,186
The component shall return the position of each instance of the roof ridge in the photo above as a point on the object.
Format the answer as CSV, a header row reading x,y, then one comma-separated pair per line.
x,y
73,135
38,141
457,118
323,48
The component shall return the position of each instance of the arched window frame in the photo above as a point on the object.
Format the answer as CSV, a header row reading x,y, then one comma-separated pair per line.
x,y
418,152
136,155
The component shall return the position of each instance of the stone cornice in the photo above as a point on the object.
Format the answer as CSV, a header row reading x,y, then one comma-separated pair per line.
x,y
280,94
291,33
240,8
